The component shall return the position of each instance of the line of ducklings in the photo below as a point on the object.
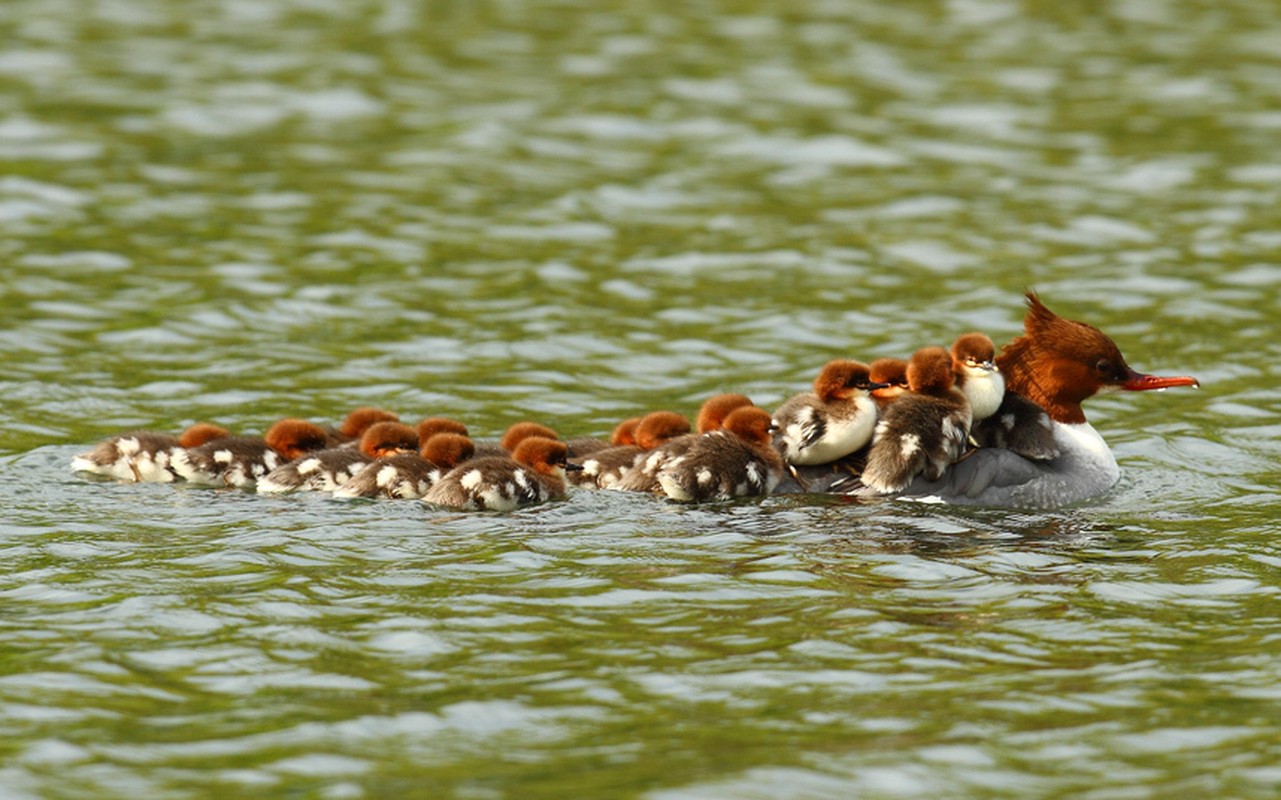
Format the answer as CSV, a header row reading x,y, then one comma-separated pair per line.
x,y
882,424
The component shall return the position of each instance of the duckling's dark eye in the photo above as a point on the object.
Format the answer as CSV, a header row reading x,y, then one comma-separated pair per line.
x,y
1104,366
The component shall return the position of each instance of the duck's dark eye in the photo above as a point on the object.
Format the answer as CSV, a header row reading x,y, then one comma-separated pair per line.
x,y
1104,366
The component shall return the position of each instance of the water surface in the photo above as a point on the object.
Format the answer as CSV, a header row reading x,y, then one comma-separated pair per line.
x,y
236,211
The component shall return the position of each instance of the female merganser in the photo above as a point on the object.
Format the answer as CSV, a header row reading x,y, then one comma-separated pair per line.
x,y
1057,364
534,473
605,468
737,461
923,431
327,469
643,476
974,367
240,461
409,475
833,421
143,456
892,372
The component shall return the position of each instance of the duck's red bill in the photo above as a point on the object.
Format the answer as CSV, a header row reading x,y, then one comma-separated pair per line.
x,y
1138,382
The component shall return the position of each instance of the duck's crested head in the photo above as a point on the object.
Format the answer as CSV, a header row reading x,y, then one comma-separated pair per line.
x,y
430,426
930,371
624,433
541,454
712,414
751,424
388,438
842,379
521,431
200,433
448,450
657,427
360,419
1059,363
292,438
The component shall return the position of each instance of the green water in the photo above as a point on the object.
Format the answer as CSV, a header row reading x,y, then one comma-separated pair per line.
x,y
235,211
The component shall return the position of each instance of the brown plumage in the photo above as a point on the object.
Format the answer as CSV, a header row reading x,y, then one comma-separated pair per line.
x,y
834,420
605,468
512,437
1049,371
624,433
891,371
1084,359
976,374
643,476
326,470
430,426
409,475
712,414
201,432
737,461
923,431
292,438
534,473
360,419
237,461
138,456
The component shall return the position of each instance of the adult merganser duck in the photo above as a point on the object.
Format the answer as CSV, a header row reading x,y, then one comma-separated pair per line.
x,y
324,470
605,468
833,421
737,461
923,431
409,475
1057,364
534,473
643,476
240,461
974,367
892,372
143,456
